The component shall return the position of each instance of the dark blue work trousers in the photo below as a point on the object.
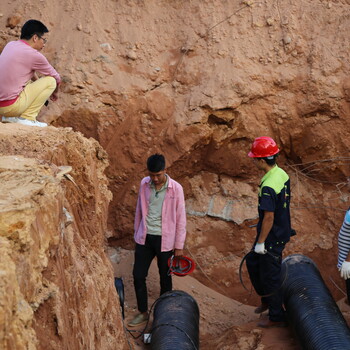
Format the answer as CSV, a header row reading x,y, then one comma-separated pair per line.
x,y
347,283
265,274
144,255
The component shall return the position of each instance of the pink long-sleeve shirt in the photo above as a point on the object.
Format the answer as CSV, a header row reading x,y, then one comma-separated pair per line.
x,y
18,62
173,215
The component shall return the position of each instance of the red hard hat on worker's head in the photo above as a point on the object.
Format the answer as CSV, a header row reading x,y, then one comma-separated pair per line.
x,y
180,265
262,147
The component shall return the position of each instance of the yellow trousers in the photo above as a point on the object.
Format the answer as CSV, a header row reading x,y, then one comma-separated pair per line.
x,y
31,99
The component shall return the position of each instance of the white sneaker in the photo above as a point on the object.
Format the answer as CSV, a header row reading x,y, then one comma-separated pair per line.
x,y
9,119
23,121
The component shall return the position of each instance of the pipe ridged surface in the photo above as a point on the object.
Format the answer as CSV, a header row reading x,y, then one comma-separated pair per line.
x,y
311,309
175,322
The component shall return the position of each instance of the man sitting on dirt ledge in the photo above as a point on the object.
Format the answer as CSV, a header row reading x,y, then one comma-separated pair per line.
x,y
273,232
22,94
160,230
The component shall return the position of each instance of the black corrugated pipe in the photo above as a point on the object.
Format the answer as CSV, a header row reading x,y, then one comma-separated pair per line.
x,y
311,310
175,322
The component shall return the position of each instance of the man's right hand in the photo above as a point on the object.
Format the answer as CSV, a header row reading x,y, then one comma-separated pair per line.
x,y
345,270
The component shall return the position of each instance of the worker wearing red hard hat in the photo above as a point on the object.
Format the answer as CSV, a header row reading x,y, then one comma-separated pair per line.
x,y
273,231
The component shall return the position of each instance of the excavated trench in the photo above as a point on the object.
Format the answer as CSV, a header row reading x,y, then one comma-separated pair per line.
x,y
221,210
197,81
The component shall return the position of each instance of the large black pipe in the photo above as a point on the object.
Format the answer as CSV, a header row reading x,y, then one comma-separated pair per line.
x,y
311,309
175,322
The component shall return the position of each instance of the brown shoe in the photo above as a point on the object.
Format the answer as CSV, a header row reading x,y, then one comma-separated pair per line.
x,y
139,320
260,309
267,323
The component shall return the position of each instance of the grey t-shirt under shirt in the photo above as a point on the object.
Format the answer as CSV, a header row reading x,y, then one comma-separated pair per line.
x,y
154,216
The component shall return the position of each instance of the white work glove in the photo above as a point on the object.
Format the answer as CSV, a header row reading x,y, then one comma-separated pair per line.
x,y
345,270
260,248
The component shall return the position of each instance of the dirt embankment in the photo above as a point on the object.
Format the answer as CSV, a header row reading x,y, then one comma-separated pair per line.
x,y
56,284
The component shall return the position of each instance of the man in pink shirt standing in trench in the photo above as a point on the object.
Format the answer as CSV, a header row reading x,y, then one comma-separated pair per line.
x,y
160,230
22,94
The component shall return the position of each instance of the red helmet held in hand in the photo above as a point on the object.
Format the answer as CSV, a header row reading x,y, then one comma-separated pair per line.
x,y
180,265
262,147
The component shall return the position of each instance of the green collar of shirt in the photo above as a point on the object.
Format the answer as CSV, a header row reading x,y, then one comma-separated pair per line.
x,y
268,174
275,178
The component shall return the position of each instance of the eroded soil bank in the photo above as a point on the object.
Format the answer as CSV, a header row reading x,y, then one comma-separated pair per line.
x,y
57,288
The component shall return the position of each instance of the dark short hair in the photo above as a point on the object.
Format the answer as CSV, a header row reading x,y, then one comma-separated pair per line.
x,y
32,27
155,163
271,160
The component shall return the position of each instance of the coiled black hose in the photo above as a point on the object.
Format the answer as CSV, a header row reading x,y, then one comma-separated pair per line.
x,y
311,309
175,322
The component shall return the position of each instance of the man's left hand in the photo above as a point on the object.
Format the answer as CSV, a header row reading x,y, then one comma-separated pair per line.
x,y
178,252
260,248
345,270
54,96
